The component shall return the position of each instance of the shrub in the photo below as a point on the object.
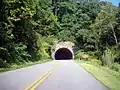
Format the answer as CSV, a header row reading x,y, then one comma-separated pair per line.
x,y
4,53
19,54
3,64
115,67
44,46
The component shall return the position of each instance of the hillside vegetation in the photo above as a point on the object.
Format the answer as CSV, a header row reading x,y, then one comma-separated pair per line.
x,y
28,29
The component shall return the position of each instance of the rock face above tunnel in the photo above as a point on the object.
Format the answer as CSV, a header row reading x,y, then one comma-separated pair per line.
x,y
63,51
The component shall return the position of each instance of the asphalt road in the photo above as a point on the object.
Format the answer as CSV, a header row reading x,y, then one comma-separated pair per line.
x,y
66,75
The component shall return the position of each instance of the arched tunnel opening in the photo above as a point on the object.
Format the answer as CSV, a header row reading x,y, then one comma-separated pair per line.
x,y
63,54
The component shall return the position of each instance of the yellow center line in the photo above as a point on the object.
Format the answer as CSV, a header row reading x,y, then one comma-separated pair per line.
x,y
36,83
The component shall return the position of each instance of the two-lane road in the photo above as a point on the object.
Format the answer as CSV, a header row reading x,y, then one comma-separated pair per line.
x,y
65,75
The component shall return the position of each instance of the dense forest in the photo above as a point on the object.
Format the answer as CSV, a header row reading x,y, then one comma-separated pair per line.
x,y
28,28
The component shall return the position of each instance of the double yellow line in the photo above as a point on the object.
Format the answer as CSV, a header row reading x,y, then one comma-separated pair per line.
x,y
36,83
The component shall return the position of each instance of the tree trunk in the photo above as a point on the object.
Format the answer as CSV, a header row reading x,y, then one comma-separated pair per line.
x,y
114,35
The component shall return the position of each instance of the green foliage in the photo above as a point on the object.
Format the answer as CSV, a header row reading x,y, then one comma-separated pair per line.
x,y
21,54
66,36
3,53
95,62
44,45
19,23
4,64
104,27
115,66
116,53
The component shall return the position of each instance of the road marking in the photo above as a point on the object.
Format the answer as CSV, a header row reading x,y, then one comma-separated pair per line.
x,y
36,83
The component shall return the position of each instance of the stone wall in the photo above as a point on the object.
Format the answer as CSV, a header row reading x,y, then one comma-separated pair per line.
x,y
67,45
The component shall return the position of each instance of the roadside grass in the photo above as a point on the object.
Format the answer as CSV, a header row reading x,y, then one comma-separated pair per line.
x,y
26,64
110,78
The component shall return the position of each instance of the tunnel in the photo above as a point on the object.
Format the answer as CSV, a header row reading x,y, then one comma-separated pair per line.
x,y
63,54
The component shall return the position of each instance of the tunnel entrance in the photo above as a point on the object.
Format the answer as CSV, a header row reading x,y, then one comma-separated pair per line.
x,y
63,54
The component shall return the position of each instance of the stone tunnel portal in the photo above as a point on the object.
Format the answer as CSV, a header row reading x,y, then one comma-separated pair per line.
x,y
63,54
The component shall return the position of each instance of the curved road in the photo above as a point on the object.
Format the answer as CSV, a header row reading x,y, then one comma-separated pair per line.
x,y
64,75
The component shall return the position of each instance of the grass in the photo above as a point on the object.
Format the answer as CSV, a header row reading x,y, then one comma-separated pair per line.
x,y
109,78
15,66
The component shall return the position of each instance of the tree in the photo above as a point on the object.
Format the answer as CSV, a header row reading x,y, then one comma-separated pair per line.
x,y
104,27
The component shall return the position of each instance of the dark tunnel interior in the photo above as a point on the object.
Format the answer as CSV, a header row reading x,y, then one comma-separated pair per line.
x,y
63,54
